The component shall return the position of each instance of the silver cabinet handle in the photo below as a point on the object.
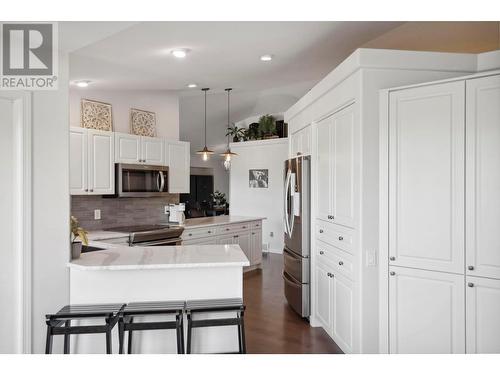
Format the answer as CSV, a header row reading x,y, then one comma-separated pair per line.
x,y
392,258
341,238
341,263
321,231
321,252
392,273
470,268
470,285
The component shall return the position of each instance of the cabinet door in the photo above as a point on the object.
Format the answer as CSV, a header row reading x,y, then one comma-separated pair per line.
x,y
100,162
78,183
153,151
324,194
178,156
426,177
256,246
202,241
483,177
323,296
342,312
426,311
127,148
244,240
342,164
483,315
306,140
227,239
296,144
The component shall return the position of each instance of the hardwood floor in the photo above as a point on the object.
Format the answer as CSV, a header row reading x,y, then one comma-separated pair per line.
x,y
271,326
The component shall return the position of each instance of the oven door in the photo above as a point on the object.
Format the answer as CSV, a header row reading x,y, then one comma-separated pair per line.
x,y
165,242
141,180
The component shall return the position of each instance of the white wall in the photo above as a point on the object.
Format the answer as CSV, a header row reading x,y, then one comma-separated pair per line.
x,y
50,205
164,103
247,201
221,176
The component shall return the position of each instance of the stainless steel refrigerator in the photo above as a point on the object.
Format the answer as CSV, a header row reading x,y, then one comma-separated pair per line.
x,y
297,215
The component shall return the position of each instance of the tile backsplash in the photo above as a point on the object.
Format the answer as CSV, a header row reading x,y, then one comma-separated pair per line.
x,y
119,211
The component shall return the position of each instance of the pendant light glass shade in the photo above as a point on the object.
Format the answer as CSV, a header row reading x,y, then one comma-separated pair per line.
x,y
228,154
205,152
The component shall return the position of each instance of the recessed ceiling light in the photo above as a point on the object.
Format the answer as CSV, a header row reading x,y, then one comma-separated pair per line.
x,y
82,83
192,85
266,57
180,53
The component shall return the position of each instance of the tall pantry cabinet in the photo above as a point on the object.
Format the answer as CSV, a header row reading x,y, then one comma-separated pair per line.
x,y
443,199
342,115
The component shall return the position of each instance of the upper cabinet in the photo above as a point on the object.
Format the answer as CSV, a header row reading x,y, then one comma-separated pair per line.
x,y
134,149
426,177
91,162
483,177
178,159
300,143
336,168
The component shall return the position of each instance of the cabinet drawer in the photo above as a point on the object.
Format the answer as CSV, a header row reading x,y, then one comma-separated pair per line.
x,y
341,261
256,225
335,235
233,228
198,233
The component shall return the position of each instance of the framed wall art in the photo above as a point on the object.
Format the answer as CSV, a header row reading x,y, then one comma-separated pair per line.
x,y
96,115
142,122
258,178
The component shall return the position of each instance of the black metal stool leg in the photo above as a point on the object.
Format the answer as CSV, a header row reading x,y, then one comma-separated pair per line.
x,y
121,333
178,333
182,334
241,327
108,337
48,343
67,337
129,343
188,349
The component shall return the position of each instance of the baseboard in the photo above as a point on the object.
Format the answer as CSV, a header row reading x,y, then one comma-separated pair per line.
x,y
274,251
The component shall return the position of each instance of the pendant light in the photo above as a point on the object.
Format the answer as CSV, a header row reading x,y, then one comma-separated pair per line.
x,y
228,154
205,152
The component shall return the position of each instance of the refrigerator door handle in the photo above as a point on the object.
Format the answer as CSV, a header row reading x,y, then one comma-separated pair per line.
x,y
286,215
292,200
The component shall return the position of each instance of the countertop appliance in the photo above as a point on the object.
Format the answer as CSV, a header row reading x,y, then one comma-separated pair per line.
x,y
176,213
297,216
151,235
135,180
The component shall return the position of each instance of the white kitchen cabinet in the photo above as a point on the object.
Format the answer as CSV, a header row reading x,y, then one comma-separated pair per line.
x,y
426,311
134,149
227,239
128,148
256,246
483,177
244,240
426,177
91,162
201,241
78,159
336,169
323,296
301,142
178,159
342,312
483,315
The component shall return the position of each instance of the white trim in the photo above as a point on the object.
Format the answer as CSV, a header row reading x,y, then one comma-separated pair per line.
x,y
263,142
23,214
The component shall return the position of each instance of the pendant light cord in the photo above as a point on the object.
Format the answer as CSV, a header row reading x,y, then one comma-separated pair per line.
x,y
228,122
205,118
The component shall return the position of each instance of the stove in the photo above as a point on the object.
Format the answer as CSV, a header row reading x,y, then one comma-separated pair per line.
x,y
151,235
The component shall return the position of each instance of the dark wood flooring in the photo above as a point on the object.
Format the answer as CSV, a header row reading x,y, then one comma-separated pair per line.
x,y
271,326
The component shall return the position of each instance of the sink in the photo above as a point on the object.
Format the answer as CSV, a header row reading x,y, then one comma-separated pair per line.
x,y
88,249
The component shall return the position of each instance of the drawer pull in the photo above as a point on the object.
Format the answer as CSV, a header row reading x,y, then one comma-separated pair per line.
x,y
470,285
190,234
235,236
330,217
392,273
227,228
321,252
470,268
253,233
244,227
209,231
392,258
321,231
341,263
341,238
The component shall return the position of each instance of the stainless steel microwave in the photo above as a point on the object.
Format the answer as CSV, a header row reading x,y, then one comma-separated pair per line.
x,y
135,180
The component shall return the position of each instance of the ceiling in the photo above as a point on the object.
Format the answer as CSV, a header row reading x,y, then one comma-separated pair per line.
x,y
223,54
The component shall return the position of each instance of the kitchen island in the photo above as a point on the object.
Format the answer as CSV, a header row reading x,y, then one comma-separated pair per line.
x,y
122,274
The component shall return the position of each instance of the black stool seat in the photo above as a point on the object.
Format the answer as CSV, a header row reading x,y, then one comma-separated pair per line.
x,y
135,309
216,305
60,322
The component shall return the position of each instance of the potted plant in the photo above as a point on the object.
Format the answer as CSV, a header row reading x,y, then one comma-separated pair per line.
x,y
219,199
236,133
253,131
267,126
78,236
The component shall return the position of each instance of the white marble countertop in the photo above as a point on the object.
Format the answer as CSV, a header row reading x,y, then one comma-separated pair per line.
x,y
117,257
218,220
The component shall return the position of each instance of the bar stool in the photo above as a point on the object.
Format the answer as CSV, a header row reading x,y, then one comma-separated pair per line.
x,y
60,323
217,305
136,309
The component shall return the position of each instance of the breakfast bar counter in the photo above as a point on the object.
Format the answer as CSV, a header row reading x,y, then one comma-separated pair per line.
x,y
122,274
